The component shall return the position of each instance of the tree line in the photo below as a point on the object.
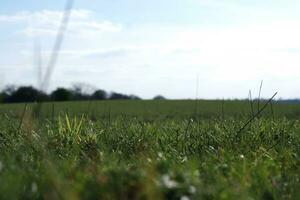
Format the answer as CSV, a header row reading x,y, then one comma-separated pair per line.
x,y
13,94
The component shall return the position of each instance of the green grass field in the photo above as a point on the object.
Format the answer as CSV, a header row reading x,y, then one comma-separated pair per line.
x,y
150,150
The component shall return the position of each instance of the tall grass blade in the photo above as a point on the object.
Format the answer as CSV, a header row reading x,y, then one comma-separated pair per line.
x,y
23,116
57,44
259,95
272,111
257,114
197,96
251,103
55,53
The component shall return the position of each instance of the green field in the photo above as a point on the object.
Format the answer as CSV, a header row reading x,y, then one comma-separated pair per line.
x,y
150,150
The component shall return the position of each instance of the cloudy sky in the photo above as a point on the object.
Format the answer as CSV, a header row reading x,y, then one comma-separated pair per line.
x,y
157,47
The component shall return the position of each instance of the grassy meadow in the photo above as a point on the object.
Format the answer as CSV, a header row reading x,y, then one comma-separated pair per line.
x,y
150,150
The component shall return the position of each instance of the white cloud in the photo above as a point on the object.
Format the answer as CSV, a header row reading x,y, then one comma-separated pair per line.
x,y
239,54
46,23
163,59
44,16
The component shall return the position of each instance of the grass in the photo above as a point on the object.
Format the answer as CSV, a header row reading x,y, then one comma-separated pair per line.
x,y
149,150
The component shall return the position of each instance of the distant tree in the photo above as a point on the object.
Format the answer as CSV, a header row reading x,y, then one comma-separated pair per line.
x,y
6,93
26,94
9,89
99,95
3,97
118,96
84,88
61,94
134,97
79,92
159,97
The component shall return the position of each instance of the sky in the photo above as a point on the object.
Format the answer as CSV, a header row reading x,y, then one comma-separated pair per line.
x,y
146,48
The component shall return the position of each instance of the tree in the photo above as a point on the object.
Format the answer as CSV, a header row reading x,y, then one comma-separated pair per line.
x,y
61,94
26,94
9,89
134,97
3,96
82,91
99,95
79,92
117,96
159,97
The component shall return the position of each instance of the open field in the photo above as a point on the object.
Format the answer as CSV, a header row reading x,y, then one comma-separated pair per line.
x,y
147,109
150,150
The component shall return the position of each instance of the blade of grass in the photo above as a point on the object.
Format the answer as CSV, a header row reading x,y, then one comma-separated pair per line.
x,y
259,94
22,117
257,114
251,103
58,43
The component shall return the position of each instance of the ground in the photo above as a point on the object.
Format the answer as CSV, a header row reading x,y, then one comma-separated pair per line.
x,y
150,150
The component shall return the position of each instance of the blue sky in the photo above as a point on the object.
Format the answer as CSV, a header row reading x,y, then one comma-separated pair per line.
x,y
153,47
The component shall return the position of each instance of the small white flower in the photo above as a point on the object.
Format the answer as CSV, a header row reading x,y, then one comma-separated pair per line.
x,y
184,159
168,182
160,154
211,148
242,156
184,198
192,189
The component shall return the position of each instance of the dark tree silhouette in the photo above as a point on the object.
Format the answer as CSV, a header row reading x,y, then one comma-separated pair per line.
x,y
12,94
99,95
26,94
3,96
118,96
6,93
159,97
62,94
9,89
79,93
134,97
